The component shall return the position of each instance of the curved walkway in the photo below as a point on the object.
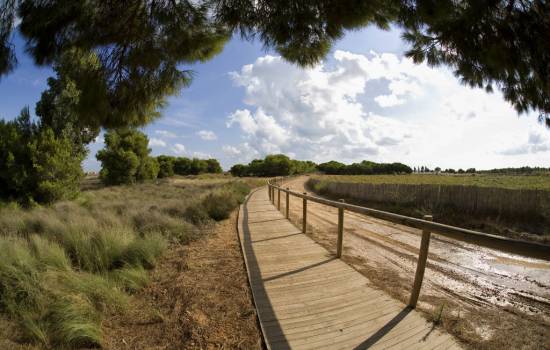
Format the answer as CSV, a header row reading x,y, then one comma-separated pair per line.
x,y
308,299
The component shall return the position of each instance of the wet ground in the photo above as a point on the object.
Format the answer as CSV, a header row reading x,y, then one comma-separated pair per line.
x,y
466,278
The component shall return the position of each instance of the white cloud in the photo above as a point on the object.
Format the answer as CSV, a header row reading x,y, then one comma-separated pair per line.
x,y
231,151
537,142
202,155
178,148
339,110
388,100
156,142
207,135
165,133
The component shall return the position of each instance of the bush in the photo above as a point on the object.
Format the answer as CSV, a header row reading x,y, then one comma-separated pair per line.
x,y
36,165
125,158
166,166
197,214
273,165
220,205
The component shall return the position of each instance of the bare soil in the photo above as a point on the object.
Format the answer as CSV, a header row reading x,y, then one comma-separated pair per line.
x,y
486,298
198,299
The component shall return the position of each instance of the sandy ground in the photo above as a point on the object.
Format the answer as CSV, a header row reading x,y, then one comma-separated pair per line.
x,y
487,298
198,299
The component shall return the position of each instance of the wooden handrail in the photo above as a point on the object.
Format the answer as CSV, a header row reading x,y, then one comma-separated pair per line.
x,y
514,246
509,245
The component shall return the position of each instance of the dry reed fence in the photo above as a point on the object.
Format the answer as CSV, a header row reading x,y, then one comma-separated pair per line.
x,y
474,200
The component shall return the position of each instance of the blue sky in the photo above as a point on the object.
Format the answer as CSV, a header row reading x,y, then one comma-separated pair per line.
x,y
365,101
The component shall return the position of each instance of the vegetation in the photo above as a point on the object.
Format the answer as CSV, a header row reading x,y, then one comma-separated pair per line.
x,y
125,158
65,266
273,165
185,166
35,164
535,182
124,69
364,168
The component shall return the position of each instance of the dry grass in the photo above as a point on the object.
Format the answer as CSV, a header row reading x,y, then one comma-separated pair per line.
x,y
518,182
198,299
66,266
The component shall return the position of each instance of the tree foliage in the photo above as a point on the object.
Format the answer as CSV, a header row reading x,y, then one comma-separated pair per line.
x,y
184,166
60,106
273,165
125,158
166,166
364,168
36,165
138,47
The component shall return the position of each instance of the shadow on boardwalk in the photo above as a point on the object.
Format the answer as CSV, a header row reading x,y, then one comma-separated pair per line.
x,y
308,299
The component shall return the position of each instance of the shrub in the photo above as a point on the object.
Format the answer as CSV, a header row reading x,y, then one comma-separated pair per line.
x,y
197,214
125,158
35,164
166,166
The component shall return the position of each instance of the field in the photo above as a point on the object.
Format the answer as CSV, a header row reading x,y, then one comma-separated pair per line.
x,y
68,267
516,182
511,205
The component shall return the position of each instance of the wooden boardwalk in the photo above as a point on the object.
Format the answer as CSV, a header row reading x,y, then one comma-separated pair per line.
x,y
308,299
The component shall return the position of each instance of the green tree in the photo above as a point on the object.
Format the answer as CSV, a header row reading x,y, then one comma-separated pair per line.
x,y
125,158
182,166
500,43
239,170
166,166
59,106
35,164
198,166
57,172
213,166
332,167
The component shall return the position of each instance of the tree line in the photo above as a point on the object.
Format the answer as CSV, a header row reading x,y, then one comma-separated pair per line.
x,y
281,165
39,163
273,165
126,159
363,168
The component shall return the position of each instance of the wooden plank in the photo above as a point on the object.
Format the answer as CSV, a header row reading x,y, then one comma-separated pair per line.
x,y
307,299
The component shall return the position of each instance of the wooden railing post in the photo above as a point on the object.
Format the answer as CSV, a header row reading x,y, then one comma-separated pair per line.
x,y
340,241
421,266
269,191
304,213
279,197
287,202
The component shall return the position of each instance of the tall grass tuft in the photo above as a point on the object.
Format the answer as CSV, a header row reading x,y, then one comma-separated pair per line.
x,y
64,266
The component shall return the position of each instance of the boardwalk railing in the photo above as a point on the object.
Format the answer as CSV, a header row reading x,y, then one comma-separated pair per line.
x,y
509,245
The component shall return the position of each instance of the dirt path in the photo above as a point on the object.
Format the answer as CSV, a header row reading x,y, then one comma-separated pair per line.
x,y
198,299
487,298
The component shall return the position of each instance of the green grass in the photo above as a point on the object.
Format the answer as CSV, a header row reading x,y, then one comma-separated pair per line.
x,y
64,266
533,182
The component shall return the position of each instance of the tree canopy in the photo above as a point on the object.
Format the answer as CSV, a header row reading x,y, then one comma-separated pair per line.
x,y
134,51
36,164
125,158
273,165
364,168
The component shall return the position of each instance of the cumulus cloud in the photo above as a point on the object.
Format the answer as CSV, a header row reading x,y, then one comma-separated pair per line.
x,y
316,113
156,142
178,149
376,106
207,135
